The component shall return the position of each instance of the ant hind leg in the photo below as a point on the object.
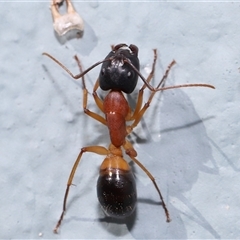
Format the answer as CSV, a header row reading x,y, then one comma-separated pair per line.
x,y
130,152
94,149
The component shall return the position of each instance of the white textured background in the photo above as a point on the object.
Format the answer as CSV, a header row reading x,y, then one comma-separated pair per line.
x,y
189,138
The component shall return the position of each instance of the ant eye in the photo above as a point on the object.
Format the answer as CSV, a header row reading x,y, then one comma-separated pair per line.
x,y
129,74
103,71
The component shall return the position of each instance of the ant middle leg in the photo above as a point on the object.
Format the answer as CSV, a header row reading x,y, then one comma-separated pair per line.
x,y
130,152
94,149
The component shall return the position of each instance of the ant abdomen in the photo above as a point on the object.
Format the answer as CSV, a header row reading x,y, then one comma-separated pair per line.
x,y
116,188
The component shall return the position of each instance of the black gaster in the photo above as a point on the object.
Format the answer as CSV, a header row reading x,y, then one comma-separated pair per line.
x,y
116,191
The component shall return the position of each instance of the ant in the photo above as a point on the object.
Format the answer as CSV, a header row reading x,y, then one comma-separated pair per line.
x,y
116,187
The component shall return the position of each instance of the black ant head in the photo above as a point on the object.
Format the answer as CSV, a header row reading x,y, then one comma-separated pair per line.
x,y
117,73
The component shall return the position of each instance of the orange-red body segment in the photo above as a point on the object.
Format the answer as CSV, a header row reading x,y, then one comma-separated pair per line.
x,y
116,109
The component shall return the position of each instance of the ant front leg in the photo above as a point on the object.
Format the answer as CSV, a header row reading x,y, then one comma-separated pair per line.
x,y
132,154
141,91
94,149
137,116
96,98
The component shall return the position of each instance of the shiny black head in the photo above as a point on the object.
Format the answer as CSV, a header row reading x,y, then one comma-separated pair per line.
x,y
117,73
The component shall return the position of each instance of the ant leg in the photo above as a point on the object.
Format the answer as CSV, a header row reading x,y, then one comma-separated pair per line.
x,y
140,113
97,99
85,95
94,149
129,150
85,92
140,93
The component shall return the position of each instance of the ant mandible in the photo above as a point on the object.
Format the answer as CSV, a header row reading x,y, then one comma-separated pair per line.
x,y
116,187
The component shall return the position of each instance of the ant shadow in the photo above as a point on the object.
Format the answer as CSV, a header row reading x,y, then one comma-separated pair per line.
x,y
183,150
129,222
